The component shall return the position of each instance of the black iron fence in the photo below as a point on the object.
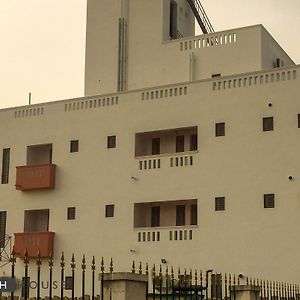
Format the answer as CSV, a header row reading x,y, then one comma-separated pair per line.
x,y
164,282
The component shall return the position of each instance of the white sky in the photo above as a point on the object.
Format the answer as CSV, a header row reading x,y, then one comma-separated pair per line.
x,y
42,41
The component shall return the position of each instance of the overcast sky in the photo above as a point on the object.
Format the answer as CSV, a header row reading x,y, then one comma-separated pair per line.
x,y
42,41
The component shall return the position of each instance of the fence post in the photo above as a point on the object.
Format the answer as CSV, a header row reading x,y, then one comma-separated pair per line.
x,y
245,292
125,286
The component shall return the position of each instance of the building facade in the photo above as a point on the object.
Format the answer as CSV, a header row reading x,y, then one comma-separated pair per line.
x,y
184,148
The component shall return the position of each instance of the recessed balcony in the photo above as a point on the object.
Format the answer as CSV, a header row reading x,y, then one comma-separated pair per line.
x,y
34,243
33,177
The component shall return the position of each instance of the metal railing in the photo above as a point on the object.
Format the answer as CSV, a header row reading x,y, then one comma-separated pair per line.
x,y
164,282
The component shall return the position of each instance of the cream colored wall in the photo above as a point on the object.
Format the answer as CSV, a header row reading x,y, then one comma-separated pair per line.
x,y
101,58
152,59
242,166
271,50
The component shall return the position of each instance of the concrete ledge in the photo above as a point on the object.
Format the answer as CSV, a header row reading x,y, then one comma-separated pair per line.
x,y
245,288
124,276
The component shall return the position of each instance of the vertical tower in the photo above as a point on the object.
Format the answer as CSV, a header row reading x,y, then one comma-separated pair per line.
x,y
123,35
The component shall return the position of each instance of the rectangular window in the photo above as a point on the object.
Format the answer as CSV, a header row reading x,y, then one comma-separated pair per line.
x,y
268,124
2,228
74,146
71,213
215,75
25,287
219,203
220,129
5,165
155,216
180,215
193,142
155,146
173,19
36,220
109,211
194,214
180,143
269,200
298,120
68,283
111,141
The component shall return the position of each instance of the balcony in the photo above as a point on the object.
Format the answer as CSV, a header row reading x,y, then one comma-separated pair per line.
x,y
33,177
34,242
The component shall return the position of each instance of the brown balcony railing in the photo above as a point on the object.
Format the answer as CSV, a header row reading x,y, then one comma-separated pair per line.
x,y
34,242
35,177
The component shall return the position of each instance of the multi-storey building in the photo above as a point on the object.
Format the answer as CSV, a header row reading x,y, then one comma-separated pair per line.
x,y
184,148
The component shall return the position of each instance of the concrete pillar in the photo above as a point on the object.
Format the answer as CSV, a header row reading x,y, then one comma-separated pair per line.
x,y
245,292
125,286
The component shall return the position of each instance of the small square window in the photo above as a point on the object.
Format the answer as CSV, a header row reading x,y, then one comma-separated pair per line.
x,y
109,211
269,201
111,141
219,203
220,129
68,283
268,124
74,146
71,213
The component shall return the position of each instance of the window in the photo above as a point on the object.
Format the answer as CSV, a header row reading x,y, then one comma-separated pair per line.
x,y
39,154
155,146
298,120
5,165
194,214
269,200
219,203
193,142
268,124
180,215
111,141
25,287
36,220
109,211
74,146
215,75
173,19
68,283
2,228
71,213
180,143
155,216
220,129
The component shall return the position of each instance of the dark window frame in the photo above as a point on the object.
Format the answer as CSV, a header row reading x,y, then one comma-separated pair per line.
x,y
180,215
179,143
219,203
220,129
111,141
5,165
155,216
269,200
3,219
193,142
74,146
155,146
71,213
194,214
109,211
268,123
